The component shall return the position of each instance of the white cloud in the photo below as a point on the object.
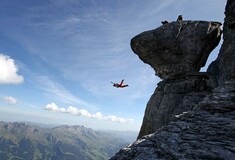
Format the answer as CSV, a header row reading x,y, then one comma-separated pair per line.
x,y
8,71
10,100
54,108
82,112
118,119
98,115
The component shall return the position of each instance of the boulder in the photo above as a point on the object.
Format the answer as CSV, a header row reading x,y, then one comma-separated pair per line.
x,y
177,47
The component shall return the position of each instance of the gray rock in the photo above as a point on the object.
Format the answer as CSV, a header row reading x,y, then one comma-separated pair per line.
x,y
172,97
204,133
223,69
192,114
177,47
176,51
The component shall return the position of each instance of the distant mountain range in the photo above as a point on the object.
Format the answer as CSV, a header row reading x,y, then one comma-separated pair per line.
x,y
23,141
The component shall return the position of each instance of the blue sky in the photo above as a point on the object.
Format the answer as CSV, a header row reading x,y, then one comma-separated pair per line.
x,y
58,57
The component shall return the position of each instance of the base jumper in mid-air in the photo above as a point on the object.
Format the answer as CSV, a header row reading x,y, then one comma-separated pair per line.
x,y
121,85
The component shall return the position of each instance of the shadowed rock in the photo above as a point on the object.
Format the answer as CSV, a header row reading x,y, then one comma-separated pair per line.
x,y
205,133
176,51
207,130
172,97
177,47
223,69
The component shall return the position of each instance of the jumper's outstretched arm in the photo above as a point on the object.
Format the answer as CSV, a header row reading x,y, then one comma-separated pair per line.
x,y
121,82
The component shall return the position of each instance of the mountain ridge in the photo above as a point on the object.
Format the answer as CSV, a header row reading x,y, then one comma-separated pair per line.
x,y
23,141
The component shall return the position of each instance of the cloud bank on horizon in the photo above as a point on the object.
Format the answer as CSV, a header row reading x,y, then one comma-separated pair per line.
x,y
82,112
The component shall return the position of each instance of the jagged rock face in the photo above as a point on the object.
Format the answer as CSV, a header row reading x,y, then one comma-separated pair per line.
x,y
177,47
223,69
173,97
176,51
205,133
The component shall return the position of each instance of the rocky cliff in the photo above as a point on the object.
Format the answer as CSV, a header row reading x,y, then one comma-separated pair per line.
x,y
176,51
223,69
191,115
